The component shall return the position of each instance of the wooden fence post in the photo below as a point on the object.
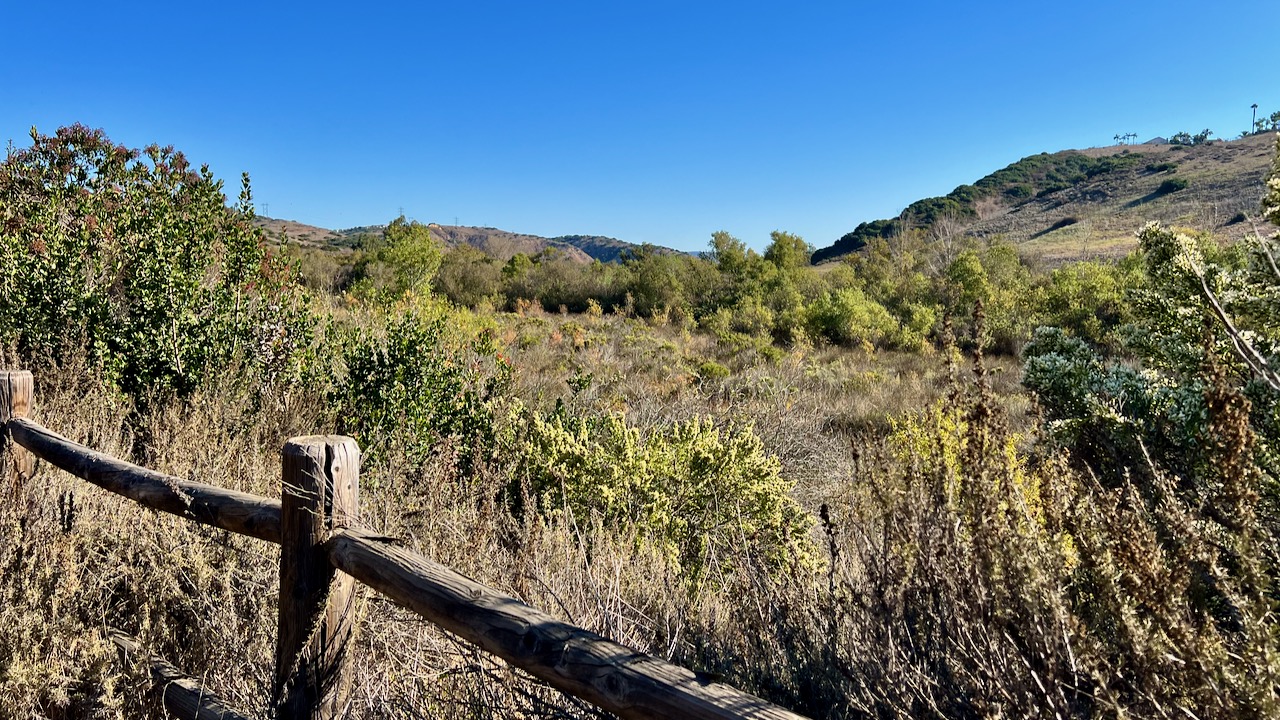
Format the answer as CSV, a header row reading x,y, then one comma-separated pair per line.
x,y
320,495
17,388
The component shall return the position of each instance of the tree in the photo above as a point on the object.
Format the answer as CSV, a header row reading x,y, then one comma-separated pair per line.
x,y
404,260
468,276
788,252
728,253
134,258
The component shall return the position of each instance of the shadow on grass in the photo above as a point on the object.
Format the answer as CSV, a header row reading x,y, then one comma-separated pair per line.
x,y
1064,222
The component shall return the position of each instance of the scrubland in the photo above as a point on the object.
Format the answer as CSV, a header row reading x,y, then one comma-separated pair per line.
x,y
937,481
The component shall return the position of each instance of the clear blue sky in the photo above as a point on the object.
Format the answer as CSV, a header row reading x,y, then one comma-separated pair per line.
x,y
648,121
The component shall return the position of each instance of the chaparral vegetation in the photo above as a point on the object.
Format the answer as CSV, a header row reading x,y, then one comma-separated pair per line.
x,y
936,478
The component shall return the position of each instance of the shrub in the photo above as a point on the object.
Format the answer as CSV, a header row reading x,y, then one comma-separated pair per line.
x,y
408,387
1088,299
1172,185
468,276
705,495
137,256
847,316
712,370
916,327
1021,191
752,317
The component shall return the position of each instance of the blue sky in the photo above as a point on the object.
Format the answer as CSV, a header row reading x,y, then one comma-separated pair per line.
x,y
652,122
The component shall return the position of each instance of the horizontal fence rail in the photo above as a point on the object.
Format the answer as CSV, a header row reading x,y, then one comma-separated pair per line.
x,y
238,512
569,658
181,694
315,526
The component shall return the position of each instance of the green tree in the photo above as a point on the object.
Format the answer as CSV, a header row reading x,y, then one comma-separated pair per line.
x,y
135,258
468,276
403,261
788,252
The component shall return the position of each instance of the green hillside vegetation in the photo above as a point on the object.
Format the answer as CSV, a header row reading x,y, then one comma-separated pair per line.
x,y
1034,176
893,295
934,478
1109,192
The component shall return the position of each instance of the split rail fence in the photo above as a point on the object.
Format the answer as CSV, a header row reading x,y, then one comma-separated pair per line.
x,y
324,552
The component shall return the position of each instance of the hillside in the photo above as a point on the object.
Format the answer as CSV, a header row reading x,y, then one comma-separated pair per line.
x,y
302,234
1088,203
500,244
503,244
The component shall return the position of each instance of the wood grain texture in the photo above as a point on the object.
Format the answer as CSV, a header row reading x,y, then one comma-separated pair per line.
x,y
320,487
617,679
238,512
182,695
17,392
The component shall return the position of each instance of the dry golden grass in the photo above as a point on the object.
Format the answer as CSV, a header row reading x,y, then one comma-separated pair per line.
x,y
952,584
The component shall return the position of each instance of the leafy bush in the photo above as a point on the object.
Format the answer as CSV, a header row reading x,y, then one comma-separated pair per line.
x,y
712,370
1088,299
403,260
1172,185
468,276
409,387
847,316
705,495
1021,191
135,258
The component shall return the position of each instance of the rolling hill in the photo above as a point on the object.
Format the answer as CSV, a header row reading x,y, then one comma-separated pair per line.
x,y
497,243
1077,204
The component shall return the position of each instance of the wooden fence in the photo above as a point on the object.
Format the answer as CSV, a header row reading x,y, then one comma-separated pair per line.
x,y
323,553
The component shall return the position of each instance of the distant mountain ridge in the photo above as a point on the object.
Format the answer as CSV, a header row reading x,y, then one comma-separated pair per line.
x,y
1076,204
500,244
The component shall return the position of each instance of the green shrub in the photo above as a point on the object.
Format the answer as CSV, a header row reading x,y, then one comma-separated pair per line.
x,y
916,327
408,386
1021,191
848,317
712,370
704,495
135,257
1088,299
1172,185
468,276
752,317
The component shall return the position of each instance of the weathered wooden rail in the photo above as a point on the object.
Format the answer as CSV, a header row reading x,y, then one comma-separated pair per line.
x,y
323,553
